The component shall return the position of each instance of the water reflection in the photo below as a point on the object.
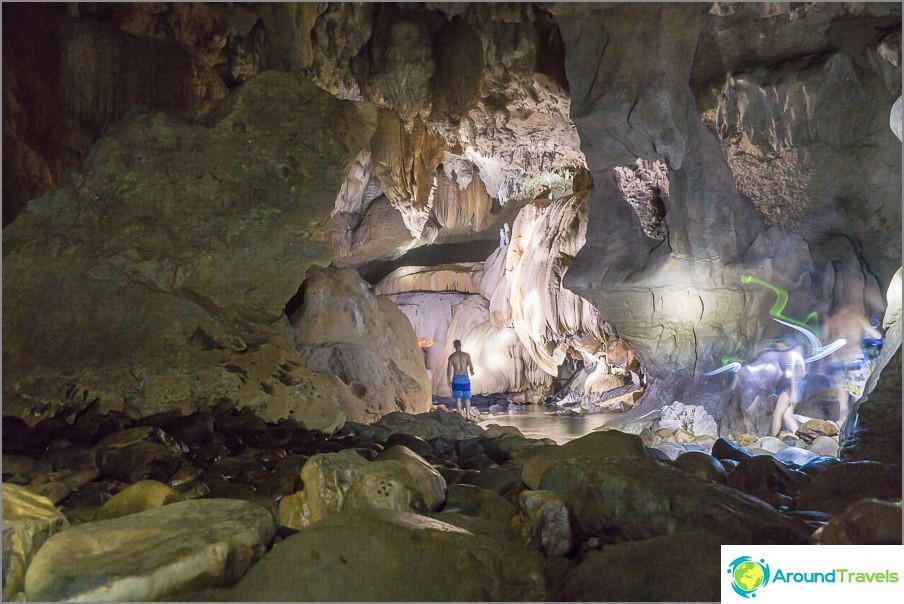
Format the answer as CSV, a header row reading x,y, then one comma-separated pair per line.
x,y
538,421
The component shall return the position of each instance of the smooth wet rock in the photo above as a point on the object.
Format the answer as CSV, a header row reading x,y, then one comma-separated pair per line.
x,y
545,522
58,485
193,489
796,456
139,461
606,444
503,481
651,570
244,470
697,463
834,489
415,443
496,430
476,525
95,493
29,520
726,449
763,477
153,554
671,450
769,443
616,499
126,438
429,425
825,446
475,501
186,473
659,455
865,522
819,464
141,496
385,555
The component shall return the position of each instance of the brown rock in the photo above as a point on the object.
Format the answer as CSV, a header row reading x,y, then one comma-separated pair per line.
x,y
813,428
377,543
141,496
865,522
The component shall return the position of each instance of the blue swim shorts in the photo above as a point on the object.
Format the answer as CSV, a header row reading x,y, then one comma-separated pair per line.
x,y
461,387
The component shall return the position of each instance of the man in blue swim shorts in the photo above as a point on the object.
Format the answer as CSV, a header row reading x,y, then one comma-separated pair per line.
x,y
458,368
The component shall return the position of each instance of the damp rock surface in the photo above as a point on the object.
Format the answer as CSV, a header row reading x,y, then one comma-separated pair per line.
x,y
153,554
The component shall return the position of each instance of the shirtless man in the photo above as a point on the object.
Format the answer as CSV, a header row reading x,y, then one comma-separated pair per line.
x,y
458,367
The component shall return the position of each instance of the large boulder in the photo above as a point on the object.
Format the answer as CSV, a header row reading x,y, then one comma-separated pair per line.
x,y
334,482
391,556
29,520
159,553
608,444
651,570
626,499
364,341
865,522
250,201
834,489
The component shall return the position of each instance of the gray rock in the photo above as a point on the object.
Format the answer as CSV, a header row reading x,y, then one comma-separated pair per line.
x,y
796,455
158,553
546,523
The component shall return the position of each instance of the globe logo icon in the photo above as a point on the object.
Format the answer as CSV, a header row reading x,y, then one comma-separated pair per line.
x,y
748,575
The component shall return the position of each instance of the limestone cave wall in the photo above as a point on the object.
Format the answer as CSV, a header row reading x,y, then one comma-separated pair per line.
x,y
189,189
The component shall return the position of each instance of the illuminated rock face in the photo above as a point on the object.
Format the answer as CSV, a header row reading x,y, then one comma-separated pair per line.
x,y
511,312
681,305
364,343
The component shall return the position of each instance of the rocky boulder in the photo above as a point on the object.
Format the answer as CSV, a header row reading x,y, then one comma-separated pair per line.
x,y
839,486
334,482
608,444
649,570
159,553
384,555
364,341
626,499
250,201
866,522
28,521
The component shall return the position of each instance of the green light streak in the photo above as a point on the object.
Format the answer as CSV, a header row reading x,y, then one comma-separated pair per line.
x,y
781,300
